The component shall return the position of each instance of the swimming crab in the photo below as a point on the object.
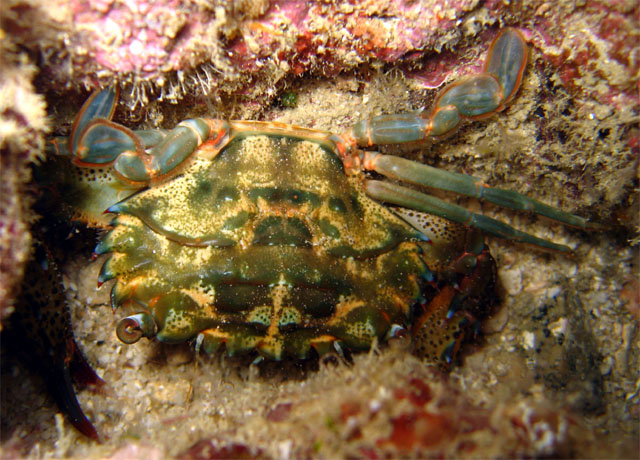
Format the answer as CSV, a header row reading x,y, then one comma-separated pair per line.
x,y
285,241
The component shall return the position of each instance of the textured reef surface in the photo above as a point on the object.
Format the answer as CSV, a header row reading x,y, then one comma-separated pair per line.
x,y
556,371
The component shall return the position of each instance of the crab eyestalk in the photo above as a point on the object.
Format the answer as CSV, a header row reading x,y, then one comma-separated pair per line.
x,y
134,327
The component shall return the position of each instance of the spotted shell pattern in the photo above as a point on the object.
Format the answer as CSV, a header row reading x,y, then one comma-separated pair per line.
x,y
268,246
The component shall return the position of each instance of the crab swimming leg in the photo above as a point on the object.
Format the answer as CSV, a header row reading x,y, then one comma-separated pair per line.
x,y
41,330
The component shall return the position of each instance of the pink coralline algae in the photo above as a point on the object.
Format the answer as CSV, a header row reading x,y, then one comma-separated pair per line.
x,y
437,421
597,42
176,48
147,39
139,37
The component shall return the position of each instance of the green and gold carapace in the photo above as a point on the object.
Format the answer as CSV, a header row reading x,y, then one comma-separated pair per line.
x,y
284,241
277,239
268,246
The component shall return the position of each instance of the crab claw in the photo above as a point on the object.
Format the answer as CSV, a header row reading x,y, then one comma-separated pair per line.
x,y
100,105
470,98
136,158
134,327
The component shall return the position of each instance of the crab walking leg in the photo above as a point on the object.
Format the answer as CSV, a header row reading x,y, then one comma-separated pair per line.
x,y
412,199
472,98
417,173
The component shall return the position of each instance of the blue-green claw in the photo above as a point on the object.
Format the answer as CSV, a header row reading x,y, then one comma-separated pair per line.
x,y
507,61
179,144
100,105
102,141
137,157
391,129
473,97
